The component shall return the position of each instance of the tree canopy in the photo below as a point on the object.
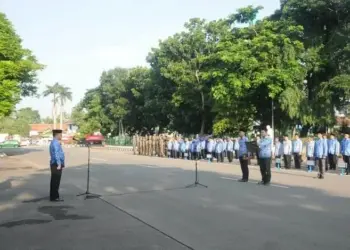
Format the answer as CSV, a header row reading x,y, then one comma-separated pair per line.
x,y
18,68
225,75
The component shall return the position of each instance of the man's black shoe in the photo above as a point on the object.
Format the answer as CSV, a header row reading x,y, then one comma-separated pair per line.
x,y
261,183
57,200
243,180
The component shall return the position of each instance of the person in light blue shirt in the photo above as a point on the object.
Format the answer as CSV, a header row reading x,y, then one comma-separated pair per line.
x,y
333,152
182,149
219,149
297,147
243,156
193,150
345,151
229,149
203,144
265,153
321,153
236,148
176,147
210,148
170,147
278,152
310,152
187,149
57,163
224,142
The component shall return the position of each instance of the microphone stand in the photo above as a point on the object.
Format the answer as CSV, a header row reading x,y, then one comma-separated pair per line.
x,y
196,181
87,193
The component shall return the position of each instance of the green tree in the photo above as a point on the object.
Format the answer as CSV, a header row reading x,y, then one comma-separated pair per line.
x,y
19,122
64,94
255,66
53,90
183,59
18,68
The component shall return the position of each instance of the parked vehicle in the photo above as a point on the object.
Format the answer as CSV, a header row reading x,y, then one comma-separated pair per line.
x,y
10,144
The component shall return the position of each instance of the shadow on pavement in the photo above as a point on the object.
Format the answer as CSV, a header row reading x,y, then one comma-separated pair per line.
x,y
227,214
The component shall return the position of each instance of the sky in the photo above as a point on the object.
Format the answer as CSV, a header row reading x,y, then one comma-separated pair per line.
x,y
78,39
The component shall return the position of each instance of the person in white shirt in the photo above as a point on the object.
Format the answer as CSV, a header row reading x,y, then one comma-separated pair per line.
x,y
310,152
278,152
297,150
287,152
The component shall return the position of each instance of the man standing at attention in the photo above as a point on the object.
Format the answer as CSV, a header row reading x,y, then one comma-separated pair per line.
x,y
345,151
321,153
287,151
265,151
243,156
56,165
297,149
333,152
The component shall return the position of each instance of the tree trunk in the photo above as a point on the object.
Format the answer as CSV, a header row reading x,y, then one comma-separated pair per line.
x,y
54,111
61,117
202,114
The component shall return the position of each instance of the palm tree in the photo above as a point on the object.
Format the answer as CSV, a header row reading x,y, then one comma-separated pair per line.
x,y
53,90
64,94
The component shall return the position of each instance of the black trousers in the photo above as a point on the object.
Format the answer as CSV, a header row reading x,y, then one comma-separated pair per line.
x,y
287,161
297,160
320,163
243,161
333,161
265,169
203,154
230,156
346,159
194,155
55,182
220,157
236,154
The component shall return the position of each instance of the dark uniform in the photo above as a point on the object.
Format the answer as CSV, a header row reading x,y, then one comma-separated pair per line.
x,y
56,165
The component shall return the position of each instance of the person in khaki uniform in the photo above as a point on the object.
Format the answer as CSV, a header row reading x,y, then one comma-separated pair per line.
x,y
143,145
134,144
155,142
138,145
150,149
161,146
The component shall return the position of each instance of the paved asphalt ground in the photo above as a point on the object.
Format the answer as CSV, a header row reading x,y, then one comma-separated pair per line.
x,y
144,205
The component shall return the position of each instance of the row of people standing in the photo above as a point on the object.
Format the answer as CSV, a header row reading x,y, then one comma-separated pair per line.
x,y
327,148
203,148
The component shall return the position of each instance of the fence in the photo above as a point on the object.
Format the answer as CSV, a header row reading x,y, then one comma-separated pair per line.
x,y
119,141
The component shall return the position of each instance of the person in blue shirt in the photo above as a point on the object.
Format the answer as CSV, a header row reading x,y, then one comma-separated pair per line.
x,y
193,150
219,151
243,156
265,153
326,163
333,152
57,163
297,147
320,154
345,151
202,144
229,149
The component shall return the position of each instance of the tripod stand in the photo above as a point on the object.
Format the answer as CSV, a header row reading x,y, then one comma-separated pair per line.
x,y
87,193
196,181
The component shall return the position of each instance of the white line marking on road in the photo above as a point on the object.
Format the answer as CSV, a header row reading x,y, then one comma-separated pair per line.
x,y
148,166
273,185
99,159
